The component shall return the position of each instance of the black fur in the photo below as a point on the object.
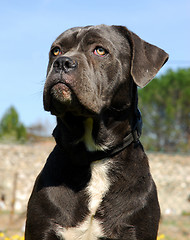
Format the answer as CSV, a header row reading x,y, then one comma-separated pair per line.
x,y
81,85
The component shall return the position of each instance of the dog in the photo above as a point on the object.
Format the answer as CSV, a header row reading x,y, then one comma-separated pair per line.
x,y
96,183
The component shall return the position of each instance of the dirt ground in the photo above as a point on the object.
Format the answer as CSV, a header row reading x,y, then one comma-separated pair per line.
x,y
175,228
171,227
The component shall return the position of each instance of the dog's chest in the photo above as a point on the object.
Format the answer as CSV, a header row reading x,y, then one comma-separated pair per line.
x,y
90,228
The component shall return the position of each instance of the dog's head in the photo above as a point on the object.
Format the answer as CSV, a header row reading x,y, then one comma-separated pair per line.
x,y
94,67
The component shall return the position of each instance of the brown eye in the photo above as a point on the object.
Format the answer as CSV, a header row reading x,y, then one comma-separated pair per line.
x,y
56,51
100,51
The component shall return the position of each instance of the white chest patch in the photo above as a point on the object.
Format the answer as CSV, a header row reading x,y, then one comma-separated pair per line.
x,y
99,184
88,139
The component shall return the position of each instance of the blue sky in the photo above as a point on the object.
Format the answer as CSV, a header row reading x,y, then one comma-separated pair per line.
x,y
29,27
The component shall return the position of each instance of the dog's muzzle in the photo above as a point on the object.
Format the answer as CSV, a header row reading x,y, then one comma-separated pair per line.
x,y
58,94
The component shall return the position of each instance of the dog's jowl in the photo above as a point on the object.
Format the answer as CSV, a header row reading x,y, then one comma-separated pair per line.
x,y
96,183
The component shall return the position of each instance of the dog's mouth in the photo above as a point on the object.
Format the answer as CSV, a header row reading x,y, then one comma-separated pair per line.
x,y
61,99
61,93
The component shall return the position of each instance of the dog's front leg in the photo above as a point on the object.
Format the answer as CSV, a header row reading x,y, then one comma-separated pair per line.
x,y
45,235
123,233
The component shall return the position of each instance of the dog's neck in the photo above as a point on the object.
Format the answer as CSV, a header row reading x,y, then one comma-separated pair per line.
x,y
88,139
93,139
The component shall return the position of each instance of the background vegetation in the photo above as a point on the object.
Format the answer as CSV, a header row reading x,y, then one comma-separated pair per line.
x,y
165,107
11,129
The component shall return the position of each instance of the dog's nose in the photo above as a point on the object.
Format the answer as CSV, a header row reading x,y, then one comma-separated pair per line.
x,y
65,64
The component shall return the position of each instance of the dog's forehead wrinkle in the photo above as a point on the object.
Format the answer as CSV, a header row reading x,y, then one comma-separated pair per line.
x,y
72,33
68,38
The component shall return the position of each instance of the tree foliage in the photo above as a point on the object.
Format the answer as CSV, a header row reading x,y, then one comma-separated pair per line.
x,y
165,106
11,127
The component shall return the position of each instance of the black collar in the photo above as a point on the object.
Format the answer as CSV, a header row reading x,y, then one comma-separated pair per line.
x,y
132,137
89,157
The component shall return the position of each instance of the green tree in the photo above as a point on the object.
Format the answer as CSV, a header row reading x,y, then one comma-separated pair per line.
x,y
11,127
165,106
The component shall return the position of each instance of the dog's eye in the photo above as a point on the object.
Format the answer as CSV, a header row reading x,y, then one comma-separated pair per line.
x,y
100,51
56,51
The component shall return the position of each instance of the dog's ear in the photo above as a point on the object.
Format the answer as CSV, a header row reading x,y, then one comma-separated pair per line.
x,y
147,59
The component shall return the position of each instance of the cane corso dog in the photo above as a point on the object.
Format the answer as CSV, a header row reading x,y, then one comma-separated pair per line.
x,y
96,183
